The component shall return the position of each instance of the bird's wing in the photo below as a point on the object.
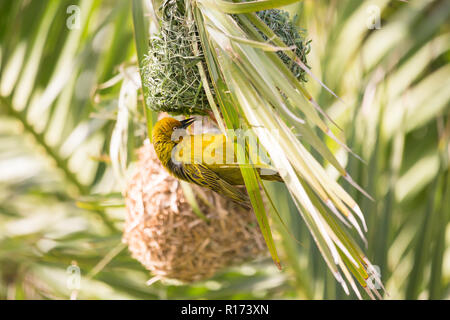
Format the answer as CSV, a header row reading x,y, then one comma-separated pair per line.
x,y
219,154
205,177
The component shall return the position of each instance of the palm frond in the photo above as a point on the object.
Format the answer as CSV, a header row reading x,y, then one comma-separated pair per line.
x,y
268,98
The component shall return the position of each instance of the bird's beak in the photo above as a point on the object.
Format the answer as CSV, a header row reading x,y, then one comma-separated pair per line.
x,y
186,123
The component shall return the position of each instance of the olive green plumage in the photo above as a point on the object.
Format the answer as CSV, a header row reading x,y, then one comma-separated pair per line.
x,y
207,160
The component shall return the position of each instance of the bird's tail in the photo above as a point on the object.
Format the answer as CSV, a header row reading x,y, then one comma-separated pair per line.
x,y
236,194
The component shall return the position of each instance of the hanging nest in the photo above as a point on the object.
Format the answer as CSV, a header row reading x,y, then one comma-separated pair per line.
x,y
169,239
170,70
281,24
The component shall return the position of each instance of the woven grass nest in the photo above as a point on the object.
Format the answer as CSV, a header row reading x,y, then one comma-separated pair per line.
x,y
170,70
169,239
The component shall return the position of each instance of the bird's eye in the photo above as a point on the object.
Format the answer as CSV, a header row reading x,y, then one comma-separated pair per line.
x,y
175,128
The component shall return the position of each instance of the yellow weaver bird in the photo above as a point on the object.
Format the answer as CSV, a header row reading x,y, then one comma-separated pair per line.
x,y
208,159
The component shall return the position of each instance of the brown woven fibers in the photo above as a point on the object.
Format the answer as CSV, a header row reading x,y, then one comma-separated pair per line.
x,y
168,238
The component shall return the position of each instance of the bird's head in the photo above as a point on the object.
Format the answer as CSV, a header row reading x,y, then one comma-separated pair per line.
x,y
167,133
170,130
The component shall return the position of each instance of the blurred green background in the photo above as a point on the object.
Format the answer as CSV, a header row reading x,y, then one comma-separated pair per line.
x,y
61,70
